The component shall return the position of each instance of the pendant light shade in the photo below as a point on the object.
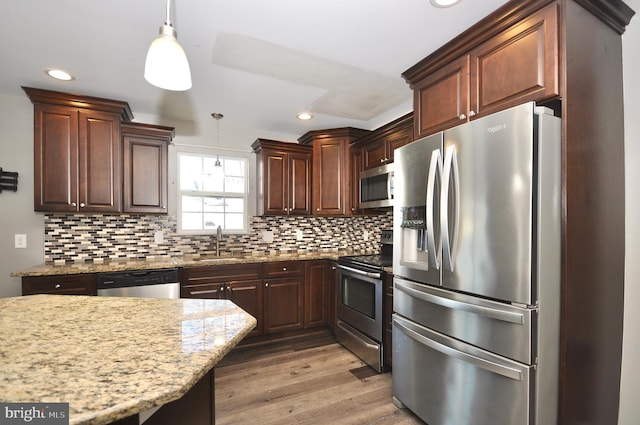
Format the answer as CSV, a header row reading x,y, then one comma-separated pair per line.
x,y
167,66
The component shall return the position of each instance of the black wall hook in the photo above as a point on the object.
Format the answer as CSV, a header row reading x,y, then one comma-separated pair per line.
x,y
8,180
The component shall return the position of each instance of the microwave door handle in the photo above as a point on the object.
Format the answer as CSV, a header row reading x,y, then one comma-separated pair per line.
x,y
433,246
450,180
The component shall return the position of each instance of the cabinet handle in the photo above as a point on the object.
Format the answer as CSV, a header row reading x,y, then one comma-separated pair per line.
x,y
334,268
472,113
58,285
266,284
317,209
284,269
462,116
73,204
381,160
208,291
82,205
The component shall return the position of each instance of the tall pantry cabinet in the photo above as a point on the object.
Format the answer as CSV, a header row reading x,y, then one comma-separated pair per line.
x,y
567,55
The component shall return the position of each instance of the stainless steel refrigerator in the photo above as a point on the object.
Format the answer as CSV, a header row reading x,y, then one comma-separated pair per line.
x,y
476,266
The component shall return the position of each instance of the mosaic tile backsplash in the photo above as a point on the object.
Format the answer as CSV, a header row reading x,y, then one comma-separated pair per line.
x,y
94,238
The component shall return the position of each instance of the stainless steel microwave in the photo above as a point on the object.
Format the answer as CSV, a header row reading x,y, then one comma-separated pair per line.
x,y
376,187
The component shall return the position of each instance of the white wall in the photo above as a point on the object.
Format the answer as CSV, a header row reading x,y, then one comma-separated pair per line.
x,y
16,208
630,380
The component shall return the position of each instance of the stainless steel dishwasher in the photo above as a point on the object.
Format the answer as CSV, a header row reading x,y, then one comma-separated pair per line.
x,y
157,283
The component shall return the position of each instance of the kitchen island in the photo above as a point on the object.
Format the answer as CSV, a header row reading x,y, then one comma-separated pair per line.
x,y
114,359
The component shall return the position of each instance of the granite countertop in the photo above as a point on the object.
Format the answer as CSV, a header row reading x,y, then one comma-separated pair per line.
x,y
111,358
184,261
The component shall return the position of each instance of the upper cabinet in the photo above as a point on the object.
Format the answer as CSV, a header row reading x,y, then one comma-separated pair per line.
x,y
378,146
284,177
77,156
513,65
332,190
89,156
144,154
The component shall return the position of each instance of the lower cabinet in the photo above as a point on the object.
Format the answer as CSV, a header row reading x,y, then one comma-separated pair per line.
x,y
316,294
240,283
74,284
283,296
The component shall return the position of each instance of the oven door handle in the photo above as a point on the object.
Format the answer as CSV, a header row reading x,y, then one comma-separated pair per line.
x,y
360,272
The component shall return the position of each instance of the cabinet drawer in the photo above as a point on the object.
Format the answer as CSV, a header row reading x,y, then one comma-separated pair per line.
x,y
220,274
203,290
77,284
282,269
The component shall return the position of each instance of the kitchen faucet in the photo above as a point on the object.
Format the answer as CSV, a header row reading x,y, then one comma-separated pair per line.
x,y
218,237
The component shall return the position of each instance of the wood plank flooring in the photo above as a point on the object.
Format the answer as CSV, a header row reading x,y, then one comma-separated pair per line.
x,y
311,380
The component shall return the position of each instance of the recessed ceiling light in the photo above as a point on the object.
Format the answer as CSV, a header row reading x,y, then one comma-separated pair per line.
x,y
304,116
59,74
444,3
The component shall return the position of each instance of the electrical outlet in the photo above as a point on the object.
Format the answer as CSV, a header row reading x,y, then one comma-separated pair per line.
x,y
365,235
158,237
20,240
299,235
267,236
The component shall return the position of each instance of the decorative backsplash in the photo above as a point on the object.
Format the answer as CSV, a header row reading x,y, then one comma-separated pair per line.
x,y
95,238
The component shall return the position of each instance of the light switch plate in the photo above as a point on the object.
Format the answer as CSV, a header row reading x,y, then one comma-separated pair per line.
x,y
20,240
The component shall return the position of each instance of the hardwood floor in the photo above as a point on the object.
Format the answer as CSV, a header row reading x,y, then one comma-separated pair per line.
x,y
312,380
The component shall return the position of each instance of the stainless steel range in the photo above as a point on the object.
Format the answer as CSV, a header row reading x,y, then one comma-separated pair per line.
x,y
360,298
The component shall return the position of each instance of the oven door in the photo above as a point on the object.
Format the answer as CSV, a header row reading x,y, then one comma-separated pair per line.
x,y
360,300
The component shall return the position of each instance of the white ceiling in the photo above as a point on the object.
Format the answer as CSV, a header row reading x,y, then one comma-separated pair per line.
x,y
259,62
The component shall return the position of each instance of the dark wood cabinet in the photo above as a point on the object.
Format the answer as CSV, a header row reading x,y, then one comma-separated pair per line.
x,y
74,284
333,294
77,155
284,177
283,296
240,283
566,54
145,167
517,64
316,292
332,185
378,146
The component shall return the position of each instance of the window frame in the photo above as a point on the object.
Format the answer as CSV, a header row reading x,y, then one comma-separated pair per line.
x,y
245,196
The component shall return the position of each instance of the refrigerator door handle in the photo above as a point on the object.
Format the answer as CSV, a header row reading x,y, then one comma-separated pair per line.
x,y
450,236
492,313
433,243
508,372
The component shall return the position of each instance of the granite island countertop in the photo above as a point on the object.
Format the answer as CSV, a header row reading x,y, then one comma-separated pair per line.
x,y
47,269
111,358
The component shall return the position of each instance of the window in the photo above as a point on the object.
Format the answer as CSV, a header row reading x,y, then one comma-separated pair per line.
x,y
212,195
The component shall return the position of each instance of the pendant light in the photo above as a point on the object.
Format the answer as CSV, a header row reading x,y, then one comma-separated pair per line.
x,y
167,66
218,171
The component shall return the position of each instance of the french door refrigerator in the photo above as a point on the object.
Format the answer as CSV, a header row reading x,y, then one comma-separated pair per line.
x,y
476,266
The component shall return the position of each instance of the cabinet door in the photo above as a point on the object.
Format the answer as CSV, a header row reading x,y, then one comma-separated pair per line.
x,y
55,158
77,284
375,154
283,304
330,187
248,296
403,137
99,162
333,294
356,168
441,100
518,65
145,175
316,294
275,182
299,183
